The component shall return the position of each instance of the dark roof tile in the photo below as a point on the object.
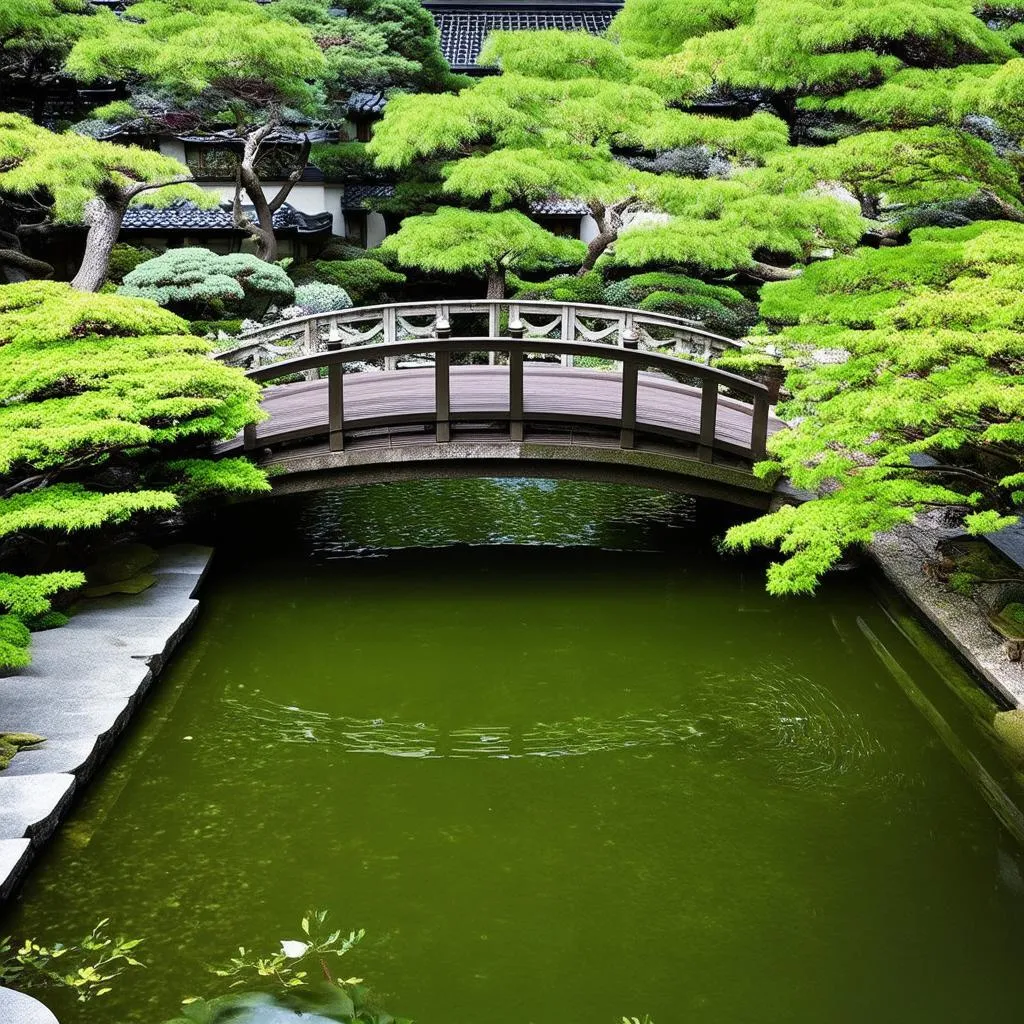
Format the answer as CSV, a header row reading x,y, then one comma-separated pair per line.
x,y
185,216
358,197
367,103
463,27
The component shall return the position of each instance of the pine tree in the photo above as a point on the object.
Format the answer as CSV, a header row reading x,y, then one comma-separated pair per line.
x,y
919,405
103,402
454,241
213,64
561,120
79,180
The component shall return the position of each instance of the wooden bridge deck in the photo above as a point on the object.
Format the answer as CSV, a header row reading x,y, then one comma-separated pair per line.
x,y
552,394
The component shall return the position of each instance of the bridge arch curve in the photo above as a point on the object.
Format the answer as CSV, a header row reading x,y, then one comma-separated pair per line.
x,y
537,407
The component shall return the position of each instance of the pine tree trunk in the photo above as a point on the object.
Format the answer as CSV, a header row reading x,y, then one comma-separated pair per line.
x,y
609,224
266,240
104,221
595,248
496,282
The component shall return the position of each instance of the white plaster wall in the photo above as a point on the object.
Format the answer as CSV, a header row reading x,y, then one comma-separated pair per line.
x,y
305,196
376,230
588,228
173,148
332,203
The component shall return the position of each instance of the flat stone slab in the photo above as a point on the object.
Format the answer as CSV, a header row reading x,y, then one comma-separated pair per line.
x,y
85,681
18,1008
30,806
14,858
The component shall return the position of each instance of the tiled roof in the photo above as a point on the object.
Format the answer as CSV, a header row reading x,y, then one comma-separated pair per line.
x,y
463,27
367,103
559,208
185,216
358,197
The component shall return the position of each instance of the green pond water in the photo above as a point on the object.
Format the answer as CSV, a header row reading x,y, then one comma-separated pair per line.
x,y
564,763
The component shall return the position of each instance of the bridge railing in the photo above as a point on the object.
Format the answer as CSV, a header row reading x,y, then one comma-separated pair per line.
x,y
405,321
715,386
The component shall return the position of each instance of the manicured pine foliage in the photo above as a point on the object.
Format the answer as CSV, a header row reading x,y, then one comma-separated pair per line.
x,y
69,179
35,37
555,124
454,241
103,400
923,409
208,65
199,284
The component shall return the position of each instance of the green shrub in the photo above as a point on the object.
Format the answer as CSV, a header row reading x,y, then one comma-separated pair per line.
x,y
631,291
562,288
125,258
709,312
339,248
196,282
340,160
1014,612
201,328
366,280
14,643
320,297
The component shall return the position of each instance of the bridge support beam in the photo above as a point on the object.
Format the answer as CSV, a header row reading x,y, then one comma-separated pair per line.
x,y
442,395
630,376
708,419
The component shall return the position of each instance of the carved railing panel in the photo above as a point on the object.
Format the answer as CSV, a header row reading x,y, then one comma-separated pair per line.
x,y
407,321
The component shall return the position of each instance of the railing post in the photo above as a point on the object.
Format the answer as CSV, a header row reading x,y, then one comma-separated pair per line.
x,y
516,329
627,434
442,395
568,330
493,326
335,401
759,427
309,347
249,437
442,327
708,419
390,335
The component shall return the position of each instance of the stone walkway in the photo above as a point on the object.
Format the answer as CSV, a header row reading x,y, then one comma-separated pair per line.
x,y
85,682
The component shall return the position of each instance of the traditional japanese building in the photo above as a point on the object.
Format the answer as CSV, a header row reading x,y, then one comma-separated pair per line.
x,y
320,205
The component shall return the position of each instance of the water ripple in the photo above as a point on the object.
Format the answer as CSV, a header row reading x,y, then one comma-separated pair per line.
x,y
804,735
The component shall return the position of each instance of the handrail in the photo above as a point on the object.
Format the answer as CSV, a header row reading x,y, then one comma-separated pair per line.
x,y
391,322
633,360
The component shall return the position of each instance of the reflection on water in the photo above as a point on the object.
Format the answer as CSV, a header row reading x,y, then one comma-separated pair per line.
x,y
808,738
433,513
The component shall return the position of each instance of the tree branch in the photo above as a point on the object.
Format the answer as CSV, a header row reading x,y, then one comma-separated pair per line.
x,y
766,272
300,166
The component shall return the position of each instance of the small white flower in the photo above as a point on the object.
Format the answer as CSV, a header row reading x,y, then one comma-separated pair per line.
x,y
293,949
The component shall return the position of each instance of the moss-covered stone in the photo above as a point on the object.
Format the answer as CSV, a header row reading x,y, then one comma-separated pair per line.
x,y
132,585
12,742
1009,727
119,563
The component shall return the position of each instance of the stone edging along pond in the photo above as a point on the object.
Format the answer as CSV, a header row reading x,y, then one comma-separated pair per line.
x,y
901,555
85,682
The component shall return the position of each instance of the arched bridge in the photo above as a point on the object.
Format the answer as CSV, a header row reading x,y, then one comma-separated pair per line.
x,y
516,404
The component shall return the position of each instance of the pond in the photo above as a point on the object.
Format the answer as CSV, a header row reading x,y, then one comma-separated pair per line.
x,y
563,762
